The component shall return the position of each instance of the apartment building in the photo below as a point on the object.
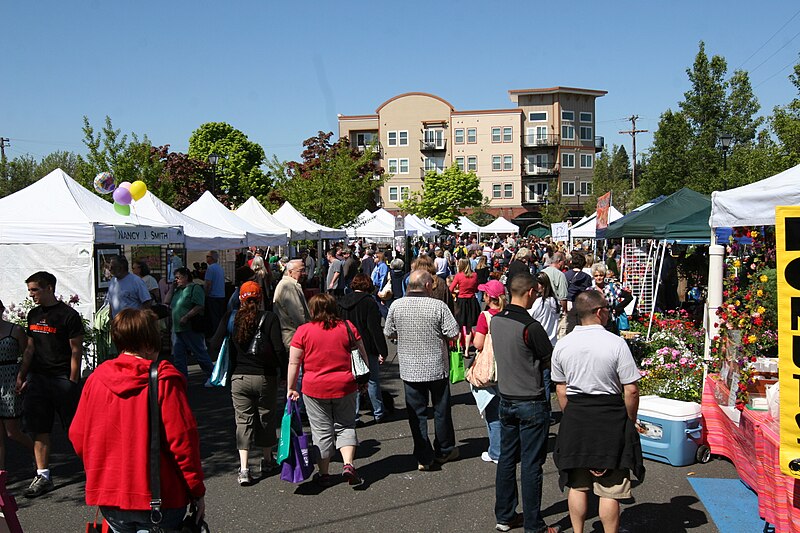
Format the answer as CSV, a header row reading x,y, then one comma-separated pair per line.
x,y
546,143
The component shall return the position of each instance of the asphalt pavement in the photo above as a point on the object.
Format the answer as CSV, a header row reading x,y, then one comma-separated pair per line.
x,y
395,497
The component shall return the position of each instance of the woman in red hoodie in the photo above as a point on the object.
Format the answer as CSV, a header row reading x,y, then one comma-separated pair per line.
x,y
110,432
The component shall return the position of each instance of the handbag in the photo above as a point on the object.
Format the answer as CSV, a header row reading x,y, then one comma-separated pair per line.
x,y
358,359
284,442
456,366
386,291
298,465
483,372
255,345
622,322
94,527
219,376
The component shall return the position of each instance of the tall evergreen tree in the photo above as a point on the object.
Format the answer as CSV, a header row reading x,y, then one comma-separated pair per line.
x,y
785,123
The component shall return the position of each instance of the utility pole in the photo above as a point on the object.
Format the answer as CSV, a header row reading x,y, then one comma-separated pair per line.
x,y
633,131
4,141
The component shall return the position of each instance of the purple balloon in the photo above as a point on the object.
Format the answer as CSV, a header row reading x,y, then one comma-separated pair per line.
x,y
122,196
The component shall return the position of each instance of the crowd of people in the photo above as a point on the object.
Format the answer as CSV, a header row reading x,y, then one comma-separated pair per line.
x,y
547,313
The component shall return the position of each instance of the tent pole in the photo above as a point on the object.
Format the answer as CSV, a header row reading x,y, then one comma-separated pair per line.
x,y
658,283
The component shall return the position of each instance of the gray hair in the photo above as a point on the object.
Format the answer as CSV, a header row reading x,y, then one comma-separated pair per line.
x,y
214,255
599,267
523,253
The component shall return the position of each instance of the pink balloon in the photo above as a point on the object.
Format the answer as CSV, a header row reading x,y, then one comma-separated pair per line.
x,y
124,185
122,195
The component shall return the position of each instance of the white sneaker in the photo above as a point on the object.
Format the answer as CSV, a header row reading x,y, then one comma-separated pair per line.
x,y
485,457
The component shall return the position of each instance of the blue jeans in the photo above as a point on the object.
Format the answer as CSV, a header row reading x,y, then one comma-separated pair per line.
x,y
491,415
373,388
139,521
524,430
195,343
417,394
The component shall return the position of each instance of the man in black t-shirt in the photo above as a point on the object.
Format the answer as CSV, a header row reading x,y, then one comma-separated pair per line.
x,y
49,372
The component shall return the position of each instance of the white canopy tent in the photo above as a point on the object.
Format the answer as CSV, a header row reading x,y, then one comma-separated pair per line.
x,y
211,210
256,214
368,225
416,226
54,225
587,227
754,204
465,225
199,235
500,225
305,228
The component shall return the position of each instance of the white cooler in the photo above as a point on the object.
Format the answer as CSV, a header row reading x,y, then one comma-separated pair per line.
x,y
671,431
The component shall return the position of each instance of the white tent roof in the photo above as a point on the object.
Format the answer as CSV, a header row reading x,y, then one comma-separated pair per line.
x,y
754,204
211,211
415,226
465,226
57,209
500,225
587,229
199,235
369,225
256,214
306,228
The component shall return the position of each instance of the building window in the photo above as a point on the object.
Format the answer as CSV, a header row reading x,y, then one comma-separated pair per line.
x,y
460,162
392,140
536,192
403,135
434,138
496,135
587,160
508,190
568,115
568,188
586,133
496,163
397,194
568,160
586,188
472,163
364,139
392,166
404,166
508,162
472,135
585,117
459,136
497,191
507,135
568,132
537,116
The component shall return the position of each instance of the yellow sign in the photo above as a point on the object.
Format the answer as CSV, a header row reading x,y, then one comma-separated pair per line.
x,y
787,242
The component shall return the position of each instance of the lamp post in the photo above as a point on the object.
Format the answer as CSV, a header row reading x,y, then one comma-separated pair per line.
x,y
213,158
725,140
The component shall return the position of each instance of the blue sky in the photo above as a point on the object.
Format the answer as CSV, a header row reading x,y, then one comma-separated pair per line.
x,y
282,71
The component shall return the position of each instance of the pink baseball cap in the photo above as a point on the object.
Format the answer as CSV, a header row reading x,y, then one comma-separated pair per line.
x,y
492,288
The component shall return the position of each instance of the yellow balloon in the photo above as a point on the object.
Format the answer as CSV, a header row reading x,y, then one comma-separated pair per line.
x,y
137,190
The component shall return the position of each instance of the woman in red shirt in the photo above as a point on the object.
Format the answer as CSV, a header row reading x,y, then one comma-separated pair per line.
x,y
110,432
322,346
468,309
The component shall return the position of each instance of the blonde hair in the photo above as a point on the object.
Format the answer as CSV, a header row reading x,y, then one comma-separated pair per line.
x,y
465,266
500,301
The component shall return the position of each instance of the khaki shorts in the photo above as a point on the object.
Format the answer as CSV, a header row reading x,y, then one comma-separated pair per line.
x,y
616,484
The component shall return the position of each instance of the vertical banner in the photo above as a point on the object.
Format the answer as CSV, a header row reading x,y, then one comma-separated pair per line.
x,y
603,203
787,243
559,231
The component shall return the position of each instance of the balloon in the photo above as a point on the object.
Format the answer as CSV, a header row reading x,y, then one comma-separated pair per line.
x,y
124,210
104,183
122,196
137,189
125,185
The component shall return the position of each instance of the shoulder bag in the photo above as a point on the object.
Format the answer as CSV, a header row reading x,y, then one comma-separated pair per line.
x,y
386,291
258,339
358,359
483,372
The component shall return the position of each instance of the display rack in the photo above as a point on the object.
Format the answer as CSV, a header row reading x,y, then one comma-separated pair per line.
x,y
638,265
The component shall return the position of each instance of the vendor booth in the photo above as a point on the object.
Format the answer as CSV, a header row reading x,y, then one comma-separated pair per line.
x,y
586,228
370,226
253,212
500,226
212,211
304,228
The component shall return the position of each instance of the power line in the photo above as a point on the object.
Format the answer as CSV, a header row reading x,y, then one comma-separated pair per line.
x,y
768,40
789,64
776,51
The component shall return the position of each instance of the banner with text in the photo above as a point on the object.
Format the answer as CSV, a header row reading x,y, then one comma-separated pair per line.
x,y
560,231
787,243
132,235
603,203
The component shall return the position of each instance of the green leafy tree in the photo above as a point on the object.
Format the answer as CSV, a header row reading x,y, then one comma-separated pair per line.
x,y
238,174
182,179
332,184
445,195
612,173
555,210
785,124
25,170
480,215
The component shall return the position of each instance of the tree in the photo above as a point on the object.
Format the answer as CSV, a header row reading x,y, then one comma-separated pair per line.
x,y
445,195
332,184
555,210
239,174
182,179
480,215
25,170
612,173
785,123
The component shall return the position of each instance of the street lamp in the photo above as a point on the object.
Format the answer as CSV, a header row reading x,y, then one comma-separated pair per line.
x,y
213,158
725,140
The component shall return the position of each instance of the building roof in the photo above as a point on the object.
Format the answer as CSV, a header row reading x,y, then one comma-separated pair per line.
x,y
357,117
448,104
554,90
511,110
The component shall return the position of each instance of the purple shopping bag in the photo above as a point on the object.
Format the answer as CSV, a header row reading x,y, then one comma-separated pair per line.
x,y
299,466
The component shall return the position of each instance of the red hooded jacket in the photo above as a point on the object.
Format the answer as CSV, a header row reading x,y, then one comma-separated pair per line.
x,y
110,434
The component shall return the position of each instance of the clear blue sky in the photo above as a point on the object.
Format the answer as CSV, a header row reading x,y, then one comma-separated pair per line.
x,y
281,71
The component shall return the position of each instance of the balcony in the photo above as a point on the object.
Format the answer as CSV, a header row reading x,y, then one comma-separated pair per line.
x,y
423,171
535,140
377,147
550,169
534,198
432,146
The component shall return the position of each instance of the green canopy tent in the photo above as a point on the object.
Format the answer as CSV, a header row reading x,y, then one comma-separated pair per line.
x,y
647,224
691,229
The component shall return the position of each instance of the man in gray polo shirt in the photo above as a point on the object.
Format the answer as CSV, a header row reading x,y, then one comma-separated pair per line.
x,y
423,326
